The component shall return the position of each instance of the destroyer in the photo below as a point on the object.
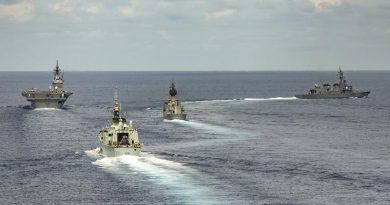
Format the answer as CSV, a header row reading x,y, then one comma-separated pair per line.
x,y
121,137
172,107
55,97
337,90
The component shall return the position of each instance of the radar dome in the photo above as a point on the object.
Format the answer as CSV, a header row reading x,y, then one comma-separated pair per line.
x,y
172,92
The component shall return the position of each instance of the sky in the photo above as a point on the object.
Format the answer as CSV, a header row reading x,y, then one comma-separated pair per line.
x,y
194,35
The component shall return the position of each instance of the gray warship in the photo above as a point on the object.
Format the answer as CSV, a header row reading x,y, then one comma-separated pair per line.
x,y
337,90
55,97
120,137
172,107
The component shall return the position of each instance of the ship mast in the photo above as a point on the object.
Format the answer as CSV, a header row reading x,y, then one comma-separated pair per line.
x,y
342,81
57,78
116,111
57,70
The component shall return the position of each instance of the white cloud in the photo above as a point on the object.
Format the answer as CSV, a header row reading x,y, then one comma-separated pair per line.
x,y
185,27
129,10
325,5
76,9
20,12
63,7
221,14
93,9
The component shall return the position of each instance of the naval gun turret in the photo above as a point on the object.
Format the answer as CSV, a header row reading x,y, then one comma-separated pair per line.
x,y
55,97
172,107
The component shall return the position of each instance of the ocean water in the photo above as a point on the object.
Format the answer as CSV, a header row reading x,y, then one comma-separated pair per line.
x,y
247,140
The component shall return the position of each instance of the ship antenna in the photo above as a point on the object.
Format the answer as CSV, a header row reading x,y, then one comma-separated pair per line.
x,y
116,99
341,76
172,84
120,110
116,95
57,70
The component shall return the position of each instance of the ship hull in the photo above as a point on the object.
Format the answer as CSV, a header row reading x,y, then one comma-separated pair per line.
x,y
175,116
47,103
46,99
334,95
111,151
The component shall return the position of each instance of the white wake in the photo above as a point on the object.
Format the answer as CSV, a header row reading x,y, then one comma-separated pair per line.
x,y
177,179
46,109
242,99
93,153
205,126
270,99
210,101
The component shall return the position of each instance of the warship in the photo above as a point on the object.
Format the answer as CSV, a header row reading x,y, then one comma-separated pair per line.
x,y
121,137
337,90
172,107
55,97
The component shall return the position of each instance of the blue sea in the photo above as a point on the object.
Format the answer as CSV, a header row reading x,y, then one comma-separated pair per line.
x,y
247,140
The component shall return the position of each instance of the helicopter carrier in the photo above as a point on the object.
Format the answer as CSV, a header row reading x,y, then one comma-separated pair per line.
x,y
55,97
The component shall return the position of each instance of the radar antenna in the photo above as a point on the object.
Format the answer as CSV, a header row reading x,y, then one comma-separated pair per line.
x,y
116,111
116,98
57,70
172,91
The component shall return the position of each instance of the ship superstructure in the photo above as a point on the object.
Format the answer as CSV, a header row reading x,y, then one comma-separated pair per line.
x,y
55,97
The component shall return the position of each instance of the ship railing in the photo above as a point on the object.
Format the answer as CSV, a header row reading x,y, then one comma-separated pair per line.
x,y
135,145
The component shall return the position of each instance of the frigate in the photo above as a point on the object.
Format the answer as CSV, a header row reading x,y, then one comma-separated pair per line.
x,y
172,107
55,97
338,90
120,137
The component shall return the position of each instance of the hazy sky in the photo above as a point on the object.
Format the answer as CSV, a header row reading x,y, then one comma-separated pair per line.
x,y
195,34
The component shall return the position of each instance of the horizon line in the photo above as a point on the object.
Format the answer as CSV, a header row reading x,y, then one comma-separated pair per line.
x,y
266,70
